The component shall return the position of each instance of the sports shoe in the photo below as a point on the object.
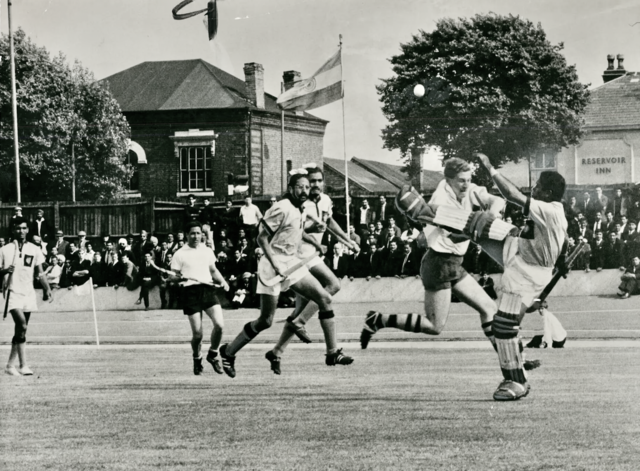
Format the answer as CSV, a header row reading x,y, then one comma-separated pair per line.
x,y
228,362
11,370
369,328
25,371
300,331
214,359
511,391
197,366
338,358
274,360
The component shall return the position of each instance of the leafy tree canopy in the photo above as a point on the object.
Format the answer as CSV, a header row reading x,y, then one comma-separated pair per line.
x,y
493,84
59,105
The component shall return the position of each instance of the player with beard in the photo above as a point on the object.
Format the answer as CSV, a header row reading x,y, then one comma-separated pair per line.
x,y
280,234
320,207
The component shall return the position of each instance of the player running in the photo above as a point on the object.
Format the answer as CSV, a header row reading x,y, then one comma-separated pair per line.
x,y
21,260
196,261
528,260
441,267
320,207
281,231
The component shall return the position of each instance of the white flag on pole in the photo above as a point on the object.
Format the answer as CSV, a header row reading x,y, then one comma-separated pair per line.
x,y
324,87
84,289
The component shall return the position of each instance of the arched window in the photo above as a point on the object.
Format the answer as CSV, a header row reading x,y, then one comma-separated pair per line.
x,y
132,161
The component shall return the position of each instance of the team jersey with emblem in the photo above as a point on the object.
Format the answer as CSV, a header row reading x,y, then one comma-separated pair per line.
x,y
28,258
438,238
194,263
549,233
322,210
284,224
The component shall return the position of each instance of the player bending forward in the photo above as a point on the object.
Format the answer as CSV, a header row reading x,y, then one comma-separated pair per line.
x,y
320,207
20,260
196,261
528,260
441,267
281,231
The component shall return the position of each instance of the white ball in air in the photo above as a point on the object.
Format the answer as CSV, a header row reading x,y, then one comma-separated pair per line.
x,y
418,90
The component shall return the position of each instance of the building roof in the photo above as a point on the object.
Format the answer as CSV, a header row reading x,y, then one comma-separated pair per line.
x,y
378,177
615,103
363,179
181,85
395,175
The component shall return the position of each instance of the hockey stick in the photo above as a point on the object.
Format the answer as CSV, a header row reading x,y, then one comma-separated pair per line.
x,y
9,280
281,277
571,259
173,273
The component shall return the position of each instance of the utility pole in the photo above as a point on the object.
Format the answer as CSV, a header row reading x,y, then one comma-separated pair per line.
x,y
14,105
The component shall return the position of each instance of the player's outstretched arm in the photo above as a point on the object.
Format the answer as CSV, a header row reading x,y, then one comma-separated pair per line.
x,y
335,227
506,187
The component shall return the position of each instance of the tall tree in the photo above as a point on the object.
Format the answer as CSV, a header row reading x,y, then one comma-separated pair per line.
x,y
492,83
60,107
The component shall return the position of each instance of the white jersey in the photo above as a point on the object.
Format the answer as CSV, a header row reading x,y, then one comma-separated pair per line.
x,y
549,233
438,238
25,262
194,263
284,224
322,210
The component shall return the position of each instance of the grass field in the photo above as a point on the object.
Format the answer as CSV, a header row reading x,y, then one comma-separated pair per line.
x,y
399,406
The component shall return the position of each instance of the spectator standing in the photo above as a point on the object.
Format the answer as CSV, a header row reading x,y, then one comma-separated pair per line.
x,y
148,278
338,262
41,227
191,211
82,240
609,224
601,201
571,208
208,215
388,238
60,244
410,263
353,236
619,204
98,271
393,260
382,212
365,215
588,207
614,257
229,217
598,252
250,216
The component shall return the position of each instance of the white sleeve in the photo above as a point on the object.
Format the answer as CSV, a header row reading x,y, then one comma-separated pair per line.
x,y
538,211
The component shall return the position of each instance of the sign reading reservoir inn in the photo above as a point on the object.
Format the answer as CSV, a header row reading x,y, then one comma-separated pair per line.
x,y
604,162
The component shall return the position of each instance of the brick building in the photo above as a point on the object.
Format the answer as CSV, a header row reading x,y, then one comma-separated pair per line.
x,y
197,129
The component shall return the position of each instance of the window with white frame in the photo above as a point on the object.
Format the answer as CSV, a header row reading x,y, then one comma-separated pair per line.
x,y
131,161
544,159
195,168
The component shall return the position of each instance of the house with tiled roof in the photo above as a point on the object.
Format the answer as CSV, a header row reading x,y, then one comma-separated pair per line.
x,y
197,129
608,156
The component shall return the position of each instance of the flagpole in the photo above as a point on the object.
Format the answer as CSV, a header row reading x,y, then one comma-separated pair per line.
x,y
282,165
95,317
14,105
344,145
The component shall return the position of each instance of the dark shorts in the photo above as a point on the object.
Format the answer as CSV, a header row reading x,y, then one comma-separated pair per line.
x,y
197,298
441,270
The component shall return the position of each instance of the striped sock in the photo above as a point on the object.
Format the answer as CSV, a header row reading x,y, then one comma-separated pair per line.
x,y
487,328
247,335
407,322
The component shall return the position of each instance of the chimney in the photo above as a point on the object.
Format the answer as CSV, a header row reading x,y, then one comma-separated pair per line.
x,y
289,77
254,79
611,73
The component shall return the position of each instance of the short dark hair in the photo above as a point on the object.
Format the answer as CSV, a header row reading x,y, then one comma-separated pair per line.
x,y
193,224
454,166
554,183
19,220
311,170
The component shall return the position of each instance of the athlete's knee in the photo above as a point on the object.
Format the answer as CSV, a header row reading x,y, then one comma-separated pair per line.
x,y
322,315
20,333
196,336
263,323
324,301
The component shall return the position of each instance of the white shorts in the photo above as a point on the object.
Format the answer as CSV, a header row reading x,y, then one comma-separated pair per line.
x,y
266,272
25,302
520,278
313,262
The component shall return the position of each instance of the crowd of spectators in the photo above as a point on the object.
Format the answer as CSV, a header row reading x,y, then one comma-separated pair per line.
x,y
389,247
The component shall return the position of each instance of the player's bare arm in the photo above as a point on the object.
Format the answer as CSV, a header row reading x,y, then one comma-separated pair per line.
x,y
335,227
218,278
39,273
506,187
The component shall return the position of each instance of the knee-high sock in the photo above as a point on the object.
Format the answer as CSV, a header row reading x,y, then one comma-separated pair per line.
x,y
506,325
328,324
248,333
284,340
407,322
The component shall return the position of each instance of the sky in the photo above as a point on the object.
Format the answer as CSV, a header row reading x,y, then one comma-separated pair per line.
x,y
108,36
